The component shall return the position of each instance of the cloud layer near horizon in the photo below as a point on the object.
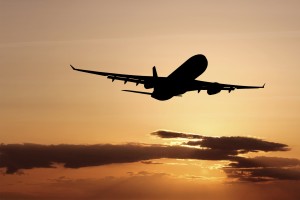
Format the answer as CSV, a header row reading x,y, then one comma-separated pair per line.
x,y
234,143
15,157
27,156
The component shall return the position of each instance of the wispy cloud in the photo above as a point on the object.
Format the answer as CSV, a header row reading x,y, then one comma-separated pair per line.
x,y
171,134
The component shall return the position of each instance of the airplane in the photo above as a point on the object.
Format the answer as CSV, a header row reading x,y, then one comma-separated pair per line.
x,y
180,81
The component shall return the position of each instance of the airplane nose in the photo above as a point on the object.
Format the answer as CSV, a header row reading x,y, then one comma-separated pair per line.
x,y
202,59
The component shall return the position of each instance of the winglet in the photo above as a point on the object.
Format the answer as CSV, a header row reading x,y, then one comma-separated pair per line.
x,y
73,67
264,85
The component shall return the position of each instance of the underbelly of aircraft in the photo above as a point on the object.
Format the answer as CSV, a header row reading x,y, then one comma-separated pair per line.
x,y
163,93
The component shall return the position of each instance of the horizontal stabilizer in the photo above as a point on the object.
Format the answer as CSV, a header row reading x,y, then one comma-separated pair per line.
x,y
140,92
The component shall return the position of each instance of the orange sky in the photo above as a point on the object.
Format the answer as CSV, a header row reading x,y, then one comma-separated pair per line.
x,y
44,102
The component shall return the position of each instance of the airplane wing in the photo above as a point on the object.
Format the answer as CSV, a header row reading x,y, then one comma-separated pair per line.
x,y
214,86
122,77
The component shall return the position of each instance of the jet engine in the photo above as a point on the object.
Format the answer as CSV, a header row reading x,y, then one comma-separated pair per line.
x,y
148,85
214,89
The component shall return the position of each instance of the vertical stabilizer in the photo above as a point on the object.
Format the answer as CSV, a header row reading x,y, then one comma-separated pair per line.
x,y
154,72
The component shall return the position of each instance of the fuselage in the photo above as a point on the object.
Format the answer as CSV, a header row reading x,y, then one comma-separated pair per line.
x,y
176,83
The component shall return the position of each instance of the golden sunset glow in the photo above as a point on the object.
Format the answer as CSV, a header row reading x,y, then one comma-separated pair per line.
x,y
47,107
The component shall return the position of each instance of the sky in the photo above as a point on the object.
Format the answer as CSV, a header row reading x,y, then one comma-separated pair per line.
x,y
70,135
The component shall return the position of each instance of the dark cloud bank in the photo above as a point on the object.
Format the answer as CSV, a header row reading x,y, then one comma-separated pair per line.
x,y
15,157
241,144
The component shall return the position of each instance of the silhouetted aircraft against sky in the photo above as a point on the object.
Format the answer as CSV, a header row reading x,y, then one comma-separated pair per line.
x,y
177,83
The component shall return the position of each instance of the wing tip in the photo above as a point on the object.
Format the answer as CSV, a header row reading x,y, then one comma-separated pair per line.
x,y
73,67
264,85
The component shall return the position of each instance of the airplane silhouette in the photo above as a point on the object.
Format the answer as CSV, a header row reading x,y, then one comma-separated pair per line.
x,y
177,83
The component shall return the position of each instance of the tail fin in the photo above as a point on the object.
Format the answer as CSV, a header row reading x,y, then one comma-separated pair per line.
x,y
154,72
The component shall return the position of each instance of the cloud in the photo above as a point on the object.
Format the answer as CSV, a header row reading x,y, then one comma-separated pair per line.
x,y
263,174
14,157
263,161
262,168
170,134
241,144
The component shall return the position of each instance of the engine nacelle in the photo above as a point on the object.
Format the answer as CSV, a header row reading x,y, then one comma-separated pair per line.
x,y
214,89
